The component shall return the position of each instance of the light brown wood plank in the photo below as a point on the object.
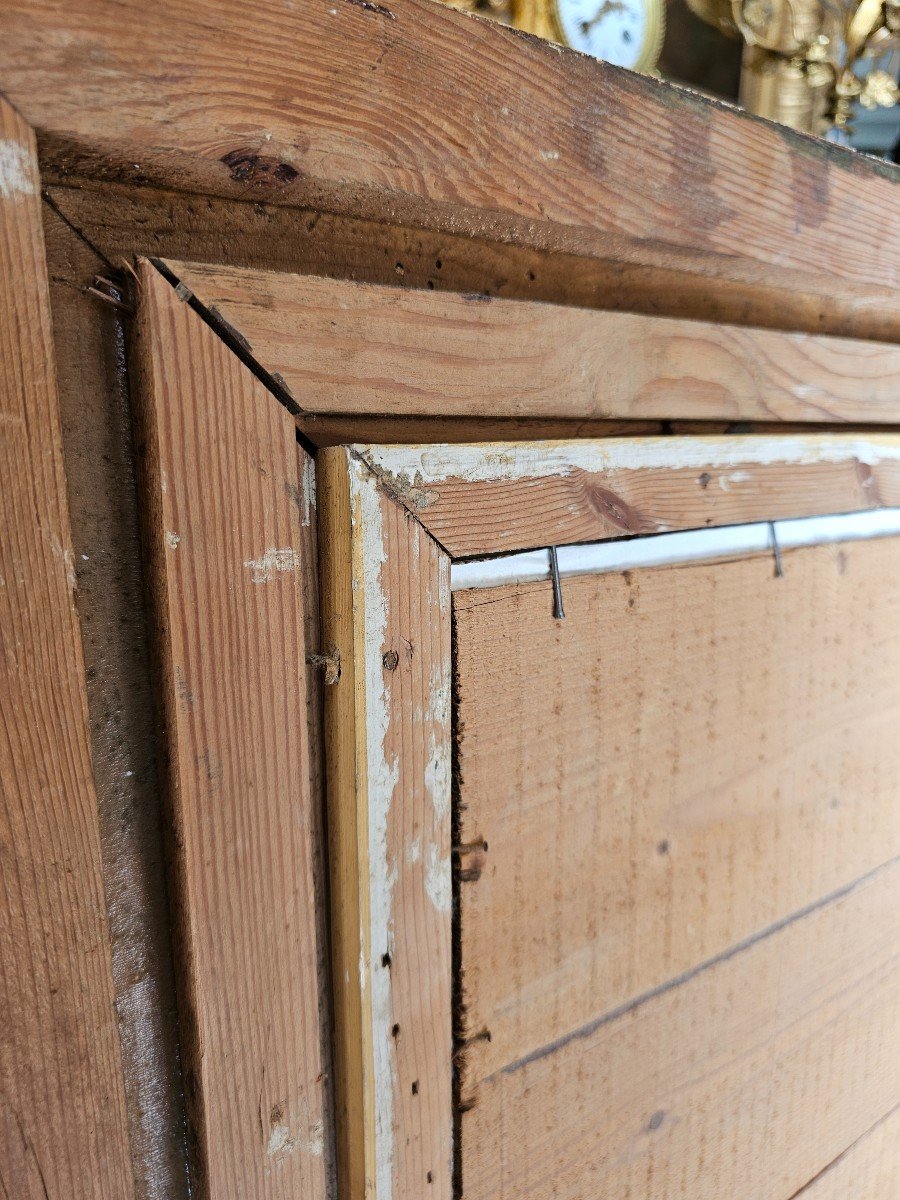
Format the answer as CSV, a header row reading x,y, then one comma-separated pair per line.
x,y
98,453
499,498
386,612
351,347
746,1080
692,754
227,494
361,111
63,1128
122,220
870,1168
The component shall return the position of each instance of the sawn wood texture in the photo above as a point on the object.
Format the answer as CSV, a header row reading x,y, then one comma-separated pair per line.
x,y
345,347
231,559
693,754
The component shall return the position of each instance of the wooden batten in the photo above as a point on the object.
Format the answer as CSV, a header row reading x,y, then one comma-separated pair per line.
x,y
359,110
480,500
63,1126
230,547
386,619
351,348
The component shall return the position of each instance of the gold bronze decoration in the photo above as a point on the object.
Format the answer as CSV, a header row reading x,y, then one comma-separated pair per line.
x,y
802,58
626,32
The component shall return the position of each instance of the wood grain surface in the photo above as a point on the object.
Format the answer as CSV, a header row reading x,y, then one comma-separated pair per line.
x,y
869,1168
360,110
63,1128
349,347
692,754
230,557
748,1079
121,220
386,613
489,499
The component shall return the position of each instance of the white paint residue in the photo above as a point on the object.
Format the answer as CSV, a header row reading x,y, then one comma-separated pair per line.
x,y
437,775
382,780
316,1143
414,851
437,879
274,559
172,539
490,463
308,488
726,481
16,174
280,1141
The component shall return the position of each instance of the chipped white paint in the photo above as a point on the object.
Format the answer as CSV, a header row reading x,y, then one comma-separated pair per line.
x,y
418,466
274,559
438,879
16,170
694,545
437,774
382,776
414,851
316,1143
172,539
280,1141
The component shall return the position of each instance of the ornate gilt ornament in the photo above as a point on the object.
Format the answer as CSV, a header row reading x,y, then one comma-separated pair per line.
x,y
628,33
802,57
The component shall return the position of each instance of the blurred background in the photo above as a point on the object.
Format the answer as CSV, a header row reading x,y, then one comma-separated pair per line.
x,y
826,67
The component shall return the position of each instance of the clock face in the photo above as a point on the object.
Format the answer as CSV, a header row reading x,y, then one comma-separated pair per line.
x,y
619,31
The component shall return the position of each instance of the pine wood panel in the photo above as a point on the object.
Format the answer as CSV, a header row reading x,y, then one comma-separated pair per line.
x,y
747,1080
228,498
63,1129
122,220
386,612
870,1168
691,755
349,347
487,499
99,461
359,109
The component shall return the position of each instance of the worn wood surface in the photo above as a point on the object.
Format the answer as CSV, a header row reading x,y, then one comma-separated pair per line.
x,y
123,220
499,498
869,1168
386,612
228,494
746,1079
712,751
98,454
63,1128
358,110
348,347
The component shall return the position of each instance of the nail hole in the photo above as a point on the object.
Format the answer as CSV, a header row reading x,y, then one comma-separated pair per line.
x,y
385,960
663,846
429,1178
415,1087
395,1032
